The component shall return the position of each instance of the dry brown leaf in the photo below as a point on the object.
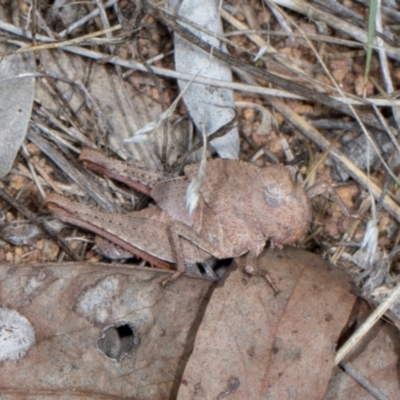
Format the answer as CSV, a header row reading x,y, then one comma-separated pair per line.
x,y
255,345
71,306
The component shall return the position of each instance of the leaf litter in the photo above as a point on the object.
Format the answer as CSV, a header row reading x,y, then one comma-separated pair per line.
x,y
90,104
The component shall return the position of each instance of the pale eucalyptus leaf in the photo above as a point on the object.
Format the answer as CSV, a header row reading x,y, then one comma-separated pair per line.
x,y
207,105
16,88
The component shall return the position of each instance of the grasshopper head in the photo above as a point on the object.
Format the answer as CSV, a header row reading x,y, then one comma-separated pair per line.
x,y
280,204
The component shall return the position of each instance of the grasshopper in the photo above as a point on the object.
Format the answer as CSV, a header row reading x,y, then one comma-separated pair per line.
x,y
240,208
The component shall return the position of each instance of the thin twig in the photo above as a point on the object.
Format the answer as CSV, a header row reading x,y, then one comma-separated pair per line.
x,y
352,99
363,381
331,20
39,223
85,19
218,133
367,325
79,177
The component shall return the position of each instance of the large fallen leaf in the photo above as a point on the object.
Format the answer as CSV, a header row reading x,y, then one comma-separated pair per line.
x,y
208,106
94,331
253,344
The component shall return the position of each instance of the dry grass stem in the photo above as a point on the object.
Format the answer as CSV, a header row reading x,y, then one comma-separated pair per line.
x,y
367,325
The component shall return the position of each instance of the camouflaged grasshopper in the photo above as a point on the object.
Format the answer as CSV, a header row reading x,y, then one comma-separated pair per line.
x,y
241,207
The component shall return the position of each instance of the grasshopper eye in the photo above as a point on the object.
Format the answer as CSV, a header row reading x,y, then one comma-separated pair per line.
x,y
273,195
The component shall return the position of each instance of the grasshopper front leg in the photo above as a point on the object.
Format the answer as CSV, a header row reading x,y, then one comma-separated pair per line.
x,y
251,268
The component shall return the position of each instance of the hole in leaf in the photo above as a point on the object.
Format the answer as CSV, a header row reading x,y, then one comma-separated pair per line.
x,y
118,341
